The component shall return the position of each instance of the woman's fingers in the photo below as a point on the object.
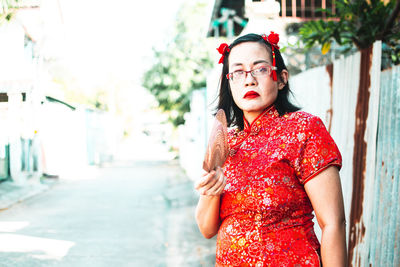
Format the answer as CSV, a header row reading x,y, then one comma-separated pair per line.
x,y
218,186
211,183
206,178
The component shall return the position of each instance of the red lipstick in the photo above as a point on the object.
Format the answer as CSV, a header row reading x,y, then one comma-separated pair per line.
x,y
251,94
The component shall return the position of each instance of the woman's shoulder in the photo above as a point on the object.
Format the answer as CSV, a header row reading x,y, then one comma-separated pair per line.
x,y
302,121
302,117
300,114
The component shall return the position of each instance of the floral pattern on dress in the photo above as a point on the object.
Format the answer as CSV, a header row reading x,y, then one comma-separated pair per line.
x,y
265,212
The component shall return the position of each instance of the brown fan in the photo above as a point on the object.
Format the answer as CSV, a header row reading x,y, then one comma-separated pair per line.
x,y
217,148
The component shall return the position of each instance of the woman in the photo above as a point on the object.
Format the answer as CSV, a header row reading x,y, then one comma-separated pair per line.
x,y
283,164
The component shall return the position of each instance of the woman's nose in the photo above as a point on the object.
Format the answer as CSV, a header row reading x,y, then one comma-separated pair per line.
x,y
249,80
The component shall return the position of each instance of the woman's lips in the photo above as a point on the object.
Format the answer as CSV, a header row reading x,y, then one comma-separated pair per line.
x,y
251,94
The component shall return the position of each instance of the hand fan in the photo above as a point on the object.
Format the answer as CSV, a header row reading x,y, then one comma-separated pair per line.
x,y
217,148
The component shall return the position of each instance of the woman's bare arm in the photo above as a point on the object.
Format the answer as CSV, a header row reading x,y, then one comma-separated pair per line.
x,y
325,193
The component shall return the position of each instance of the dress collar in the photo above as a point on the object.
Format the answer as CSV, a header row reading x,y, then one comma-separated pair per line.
x,y
251,129
255,126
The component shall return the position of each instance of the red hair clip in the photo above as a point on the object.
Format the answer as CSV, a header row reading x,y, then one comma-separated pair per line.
x,y
272,39
222,49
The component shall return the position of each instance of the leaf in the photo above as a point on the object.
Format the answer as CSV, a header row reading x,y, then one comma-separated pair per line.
x,y
325,48
360,23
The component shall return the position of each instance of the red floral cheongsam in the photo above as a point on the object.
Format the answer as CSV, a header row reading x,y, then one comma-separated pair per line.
x,y
266,214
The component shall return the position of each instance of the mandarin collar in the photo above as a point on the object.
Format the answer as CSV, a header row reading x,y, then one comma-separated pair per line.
x,y
255,126
251,129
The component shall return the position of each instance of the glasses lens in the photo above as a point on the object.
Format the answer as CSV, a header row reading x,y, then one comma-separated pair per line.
x,y
261,71
238,75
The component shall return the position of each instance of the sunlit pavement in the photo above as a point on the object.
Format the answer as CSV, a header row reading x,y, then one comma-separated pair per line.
x,y
126,214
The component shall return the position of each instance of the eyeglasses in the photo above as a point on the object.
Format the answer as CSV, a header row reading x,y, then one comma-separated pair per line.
x,y
240,75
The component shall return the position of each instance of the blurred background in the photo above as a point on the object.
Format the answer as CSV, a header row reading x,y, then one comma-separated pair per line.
x,y
106,108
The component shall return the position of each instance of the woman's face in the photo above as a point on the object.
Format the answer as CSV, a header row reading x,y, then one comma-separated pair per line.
x,y
253,94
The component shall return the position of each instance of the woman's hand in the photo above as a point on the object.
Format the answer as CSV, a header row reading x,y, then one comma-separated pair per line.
x,y
211,183
210,186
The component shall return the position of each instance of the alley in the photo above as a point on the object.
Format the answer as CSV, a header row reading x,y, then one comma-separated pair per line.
x,y
126,214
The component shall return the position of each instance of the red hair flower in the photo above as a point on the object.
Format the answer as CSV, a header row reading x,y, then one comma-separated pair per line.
x,y
223,49
272,39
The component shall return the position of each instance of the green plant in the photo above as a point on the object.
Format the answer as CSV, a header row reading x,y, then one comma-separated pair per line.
x,y
357,22
8,9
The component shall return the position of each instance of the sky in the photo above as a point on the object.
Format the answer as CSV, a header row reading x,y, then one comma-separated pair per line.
x,y
111,36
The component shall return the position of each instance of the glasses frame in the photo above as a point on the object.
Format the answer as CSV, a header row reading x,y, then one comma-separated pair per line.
x,y
229,75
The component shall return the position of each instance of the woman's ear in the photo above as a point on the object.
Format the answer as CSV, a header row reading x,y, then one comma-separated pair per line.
x,y
283,79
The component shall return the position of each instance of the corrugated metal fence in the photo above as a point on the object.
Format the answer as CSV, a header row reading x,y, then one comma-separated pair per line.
x,y
360,106
384,235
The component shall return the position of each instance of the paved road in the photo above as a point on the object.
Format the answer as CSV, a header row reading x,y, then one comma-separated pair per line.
x,y
137,214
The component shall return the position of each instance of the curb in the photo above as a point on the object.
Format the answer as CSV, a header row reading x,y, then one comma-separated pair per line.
x,y
11,193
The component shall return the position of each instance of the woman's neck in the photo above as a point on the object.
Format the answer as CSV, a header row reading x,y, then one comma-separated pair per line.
x,y
251,116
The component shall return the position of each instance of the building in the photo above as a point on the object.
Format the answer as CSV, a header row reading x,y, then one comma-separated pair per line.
x,y
20,96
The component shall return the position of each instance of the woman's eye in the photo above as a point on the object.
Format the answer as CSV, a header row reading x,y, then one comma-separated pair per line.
x,y
262,70
238,72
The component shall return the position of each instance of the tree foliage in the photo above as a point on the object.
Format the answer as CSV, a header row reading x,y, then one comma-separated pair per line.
x,y
357,22
182,66
8,9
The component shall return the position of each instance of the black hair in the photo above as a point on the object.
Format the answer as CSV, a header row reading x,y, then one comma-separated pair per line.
x,y
234,115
